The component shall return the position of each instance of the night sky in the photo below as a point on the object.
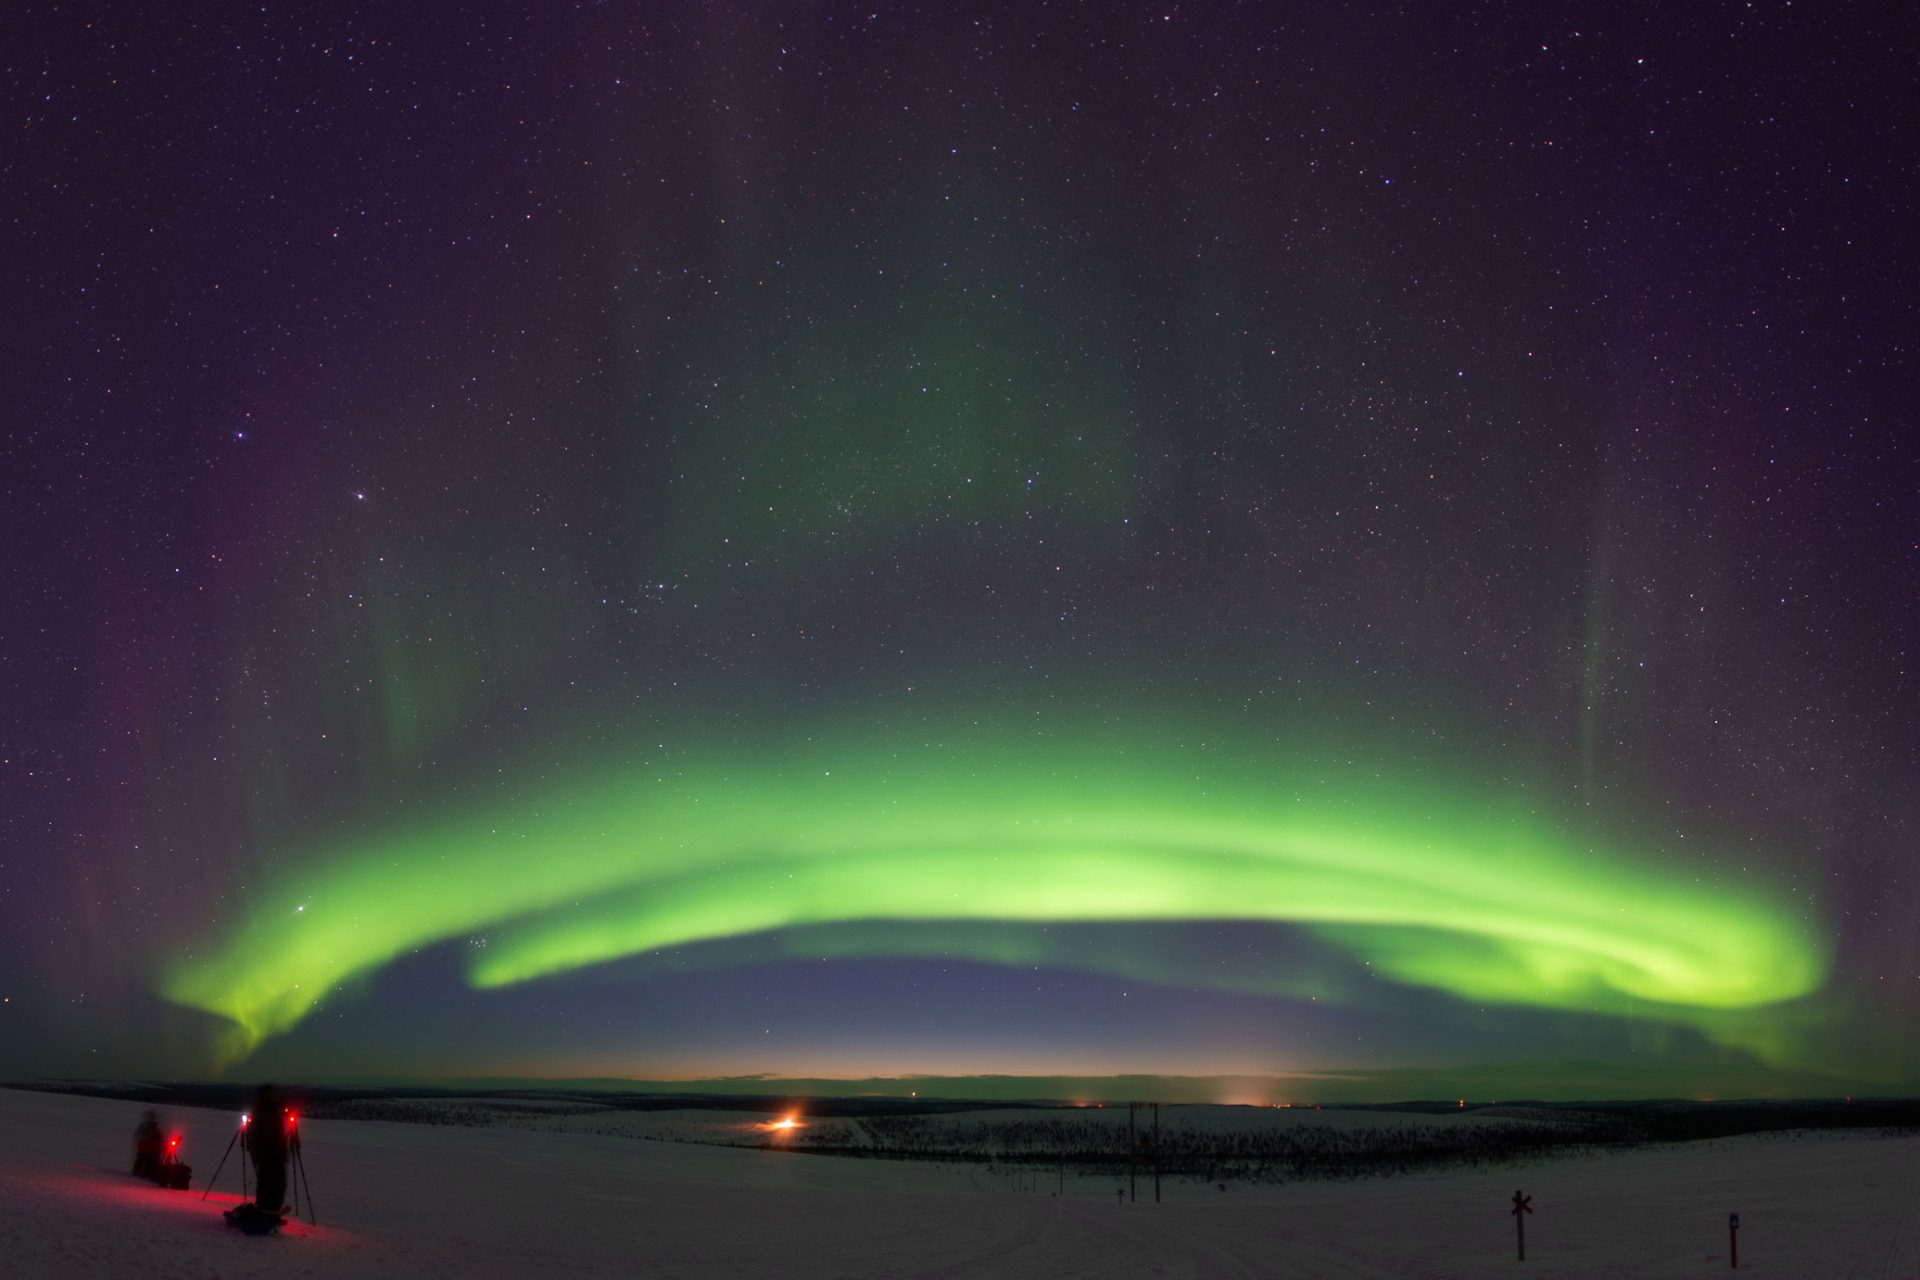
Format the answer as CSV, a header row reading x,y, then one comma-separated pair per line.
x,y
675,541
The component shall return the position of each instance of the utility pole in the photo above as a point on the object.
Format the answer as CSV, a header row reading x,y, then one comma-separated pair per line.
x,y
1156,1153
1133,1155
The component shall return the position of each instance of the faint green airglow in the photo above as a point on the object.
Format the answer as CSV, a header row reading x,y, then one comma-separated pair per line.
x,y
1428,879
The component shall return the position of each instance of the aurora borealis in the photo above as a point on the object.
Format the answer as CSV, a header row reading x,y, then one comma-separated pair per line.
x,y
1450,891
679,542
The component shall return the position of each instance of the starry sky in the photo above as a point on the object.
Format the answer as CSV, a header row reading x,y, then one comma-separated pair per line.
x,y
1317,548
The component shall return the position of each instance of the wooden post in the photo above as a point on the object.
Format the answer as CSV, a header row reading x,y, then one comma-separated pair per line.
x,y
1733,1240
1522,1206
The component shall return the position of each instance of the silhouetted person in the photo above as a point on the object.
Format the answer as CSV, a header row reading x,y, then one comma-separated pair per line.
x,y
149,1148
270,1140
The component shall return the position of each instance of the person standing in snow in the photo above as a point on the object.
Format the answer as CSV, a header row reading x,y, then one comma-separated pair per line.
x,y
271,1138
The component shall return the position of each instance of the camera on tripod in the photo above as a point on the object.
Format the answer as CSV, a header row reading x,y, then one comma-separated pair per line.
x,y
271,1150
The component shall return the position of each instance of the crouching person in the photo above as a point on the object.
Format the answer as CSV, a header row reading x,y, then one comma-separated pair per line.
x,y
149,1147
157,1157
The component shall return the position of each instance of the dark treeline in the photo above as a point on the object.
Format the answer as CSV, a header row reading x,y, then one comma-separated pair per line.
x,y
1254,1154
1258,1153
478,1114
1687,1121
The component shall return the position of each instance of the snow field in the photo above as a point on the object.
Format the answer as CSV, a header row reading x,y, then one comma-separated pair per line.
x,y
399,1200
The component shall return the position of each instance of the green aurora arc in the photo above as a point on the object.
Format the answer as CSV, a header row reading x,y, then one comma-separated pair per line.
x,y
1434,880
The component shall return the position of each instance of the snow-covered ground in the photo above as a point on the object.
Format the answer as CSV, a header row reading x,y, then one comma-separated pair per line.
x,y
399,1200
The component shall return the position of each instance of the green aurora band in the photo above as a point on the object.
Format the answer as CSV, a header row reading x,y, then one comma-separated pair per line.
x,y
1433,880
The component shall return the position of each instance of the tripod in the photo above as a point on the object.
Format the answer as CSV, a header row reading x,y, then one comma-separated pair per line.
x,y
290,1175
231,1143
299,1180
